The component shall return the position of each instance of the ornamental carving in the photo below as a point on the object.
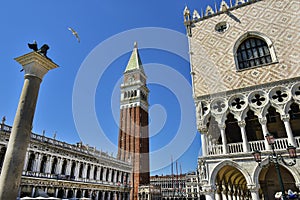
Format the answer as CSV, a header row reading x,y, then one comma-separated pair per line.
x,y
279,95
258,99
219,106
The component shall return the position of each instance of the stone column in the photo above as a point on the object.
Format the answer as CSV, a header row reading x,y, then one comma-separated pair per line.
x,y
59,165
254,194
204,143
68,167
224,139
263,122
242,125
49,165
26,161
288,129
218,195
35,66
33,191
76,174
104,174
37,164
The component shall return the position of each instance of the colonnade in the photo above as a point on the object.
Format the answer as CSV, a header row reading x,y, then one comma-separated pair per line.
x,y
41,164
58,192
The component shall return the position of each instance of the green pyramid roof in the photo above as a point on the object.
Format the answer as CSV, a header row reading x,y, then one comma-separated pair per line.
x,y
134,62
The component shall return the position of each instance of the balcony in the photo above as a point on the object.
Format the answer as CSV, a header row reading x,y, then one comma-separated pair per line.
x,y
280,144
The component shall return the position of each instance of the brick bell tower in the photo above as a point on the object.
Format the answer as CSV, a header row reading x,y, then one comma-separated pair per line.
x,y
133,142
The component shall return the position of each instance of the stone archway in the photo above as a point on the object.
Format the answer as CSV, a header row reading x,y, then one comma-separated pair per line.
x,y
231,184
269,182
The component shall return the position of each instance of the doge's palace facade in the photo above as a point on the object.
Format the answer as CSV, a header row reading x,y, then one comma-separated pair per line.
x,y
246,83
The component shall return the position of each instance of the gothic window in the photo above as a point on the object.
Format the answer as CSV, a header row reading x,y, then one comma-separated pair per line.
x,y
253,52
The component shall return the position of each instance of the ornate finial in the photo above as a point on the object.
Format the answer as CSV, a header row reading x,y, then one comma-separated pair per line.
x,y
196,15
43,133
216,9
54,135
209,11
3,120
135,45
186,14
223,6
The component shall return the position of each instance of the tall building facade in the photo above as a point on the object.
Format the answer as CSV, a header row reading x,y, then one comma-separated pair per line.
x,y
246,84
133,144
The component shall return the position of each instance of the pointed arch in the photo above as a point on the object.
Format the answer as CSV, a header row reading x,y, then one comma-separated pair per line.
x,y
225,163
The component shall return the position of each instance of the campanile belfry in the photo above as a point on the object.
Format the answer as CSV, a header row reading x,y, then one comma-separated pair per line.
x,y
133,142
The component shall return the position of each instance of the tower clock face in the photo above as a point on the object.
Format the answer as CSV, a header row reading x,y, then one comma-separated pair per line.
x,y
131,79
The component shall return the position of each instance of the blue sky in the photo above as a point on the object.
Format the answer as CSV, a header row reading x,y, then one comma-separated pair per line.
x,y
97,23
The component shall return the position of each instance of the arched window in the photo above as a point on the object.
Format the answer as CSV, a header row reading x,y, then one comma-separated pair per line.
x,y
253,52
88,172
43,164
80,170
31,162
53,167
253,49
72,174
64,167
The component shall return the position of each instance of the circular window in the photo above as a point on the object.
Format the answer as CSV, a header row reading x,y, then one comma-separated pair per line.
x,y
221,27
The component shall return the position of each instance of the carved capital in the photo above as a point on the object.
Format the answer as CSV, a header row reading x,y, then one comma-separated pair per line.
x,y
242,123
222,126
262,120
285,118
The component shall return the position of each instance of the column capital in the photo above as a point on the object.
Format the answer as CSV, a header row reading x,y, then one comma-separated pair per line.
x,y
222,126
262,120
35,64
285,118
253,187
242,123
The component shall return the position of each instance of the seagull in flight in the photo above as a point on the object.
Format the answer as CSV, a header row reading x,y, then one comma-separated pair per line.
x,y
74,33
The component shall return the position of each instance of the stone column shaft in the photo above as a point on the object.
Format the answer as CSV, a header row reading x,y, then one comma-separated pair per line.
x,y
263,122
19,139
204,144
35,66
242,125
224,139
288,129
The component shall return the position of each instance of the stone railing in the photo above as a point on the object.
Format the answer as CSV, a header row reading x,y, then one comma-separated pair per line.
x,y
280,144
